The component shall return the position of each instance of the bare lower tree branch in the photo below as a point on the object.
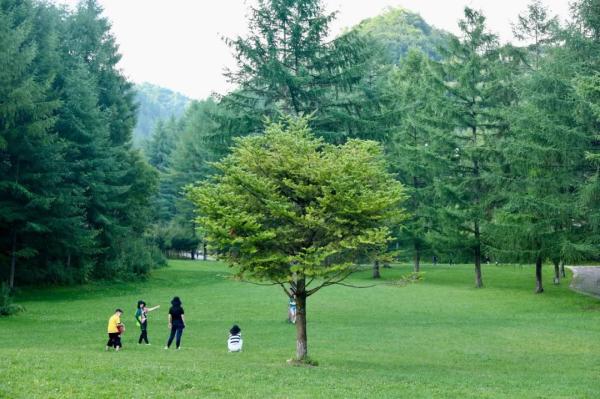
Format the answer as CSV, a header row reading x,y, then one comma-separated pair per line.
x,y
331,281
357,286
263,284
287,292
413,277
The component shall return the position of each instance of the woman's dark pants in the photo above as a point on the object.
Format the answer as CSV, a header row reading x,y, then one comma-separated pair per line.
x,y
176,331
144,333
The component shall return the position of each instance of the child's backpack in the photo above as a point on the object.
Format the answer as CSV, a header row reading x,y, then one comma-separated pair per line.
x,y
138,314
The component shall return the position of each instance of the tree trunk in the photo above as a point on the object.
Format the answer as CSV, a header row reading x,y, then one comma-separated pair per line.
x,y
417,260
13,251
477,232
556,272
478,279
193,252
204,251
301,338
538,275
376,273
562,269
13,261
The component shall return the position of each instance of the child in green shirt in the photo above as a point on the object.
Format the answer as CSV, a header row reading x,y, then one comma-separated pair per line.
x,y
141,317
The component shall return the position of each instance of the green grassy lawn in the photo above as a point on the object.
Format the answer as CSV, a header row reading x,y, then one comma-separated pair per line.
x,y
439,338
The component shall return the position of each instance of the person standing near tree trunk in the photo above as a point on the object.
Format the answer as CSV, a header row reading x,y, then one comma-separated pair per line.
x,y
292,309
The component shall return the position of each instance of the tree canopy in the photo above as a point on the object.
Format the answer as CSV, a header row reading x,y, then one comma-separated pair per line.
x,y
288,208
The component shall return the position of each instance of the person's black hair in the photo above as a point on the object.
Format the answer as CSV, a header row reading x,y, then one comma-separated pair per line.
x,y
235,330
141,302
118,310
176,301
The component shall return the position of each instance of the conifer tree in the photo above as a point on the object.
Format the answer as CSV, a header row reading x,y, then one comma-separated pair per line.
x,y
74,196
115,207
290,209
473,94
161,144
537,28
31,155
80,125
584,45
412,147
287,64
190,164
536,221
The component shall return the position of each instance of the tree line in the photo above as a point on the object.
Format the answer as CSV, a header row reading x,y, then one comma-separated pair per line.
x,y
74,195
496,144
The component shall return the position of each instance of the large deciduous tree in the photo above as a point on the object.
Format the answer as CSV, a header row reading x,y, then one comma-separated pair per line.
x,y
288,208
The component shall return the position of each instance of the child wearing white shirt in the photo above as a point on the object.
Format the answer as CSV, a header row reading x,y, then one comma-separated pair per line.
x,y
235,341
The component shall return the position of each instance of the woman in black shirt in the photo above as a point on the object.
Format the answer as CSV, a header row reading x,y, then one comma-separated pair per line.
x,y
176,322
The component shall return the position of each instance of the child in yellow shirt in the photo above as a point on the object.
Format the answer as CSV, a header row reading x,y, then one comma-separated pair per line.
x,y
114,333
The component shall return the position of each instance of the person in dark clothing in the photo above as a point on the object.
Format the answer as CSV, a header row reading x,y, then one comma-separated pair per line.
x,y
176,322
141,317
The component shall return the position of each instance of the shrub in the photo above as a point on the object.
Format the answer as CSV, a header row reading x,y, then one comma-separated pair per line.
x,y
7,307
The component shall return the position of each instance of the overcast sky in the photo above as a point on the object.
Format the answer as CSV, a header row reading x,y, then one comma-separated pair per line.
x,y
177,43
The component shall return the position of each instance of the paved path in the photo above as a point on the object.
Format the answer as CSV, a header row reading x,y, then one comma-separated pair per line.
x,y
586,280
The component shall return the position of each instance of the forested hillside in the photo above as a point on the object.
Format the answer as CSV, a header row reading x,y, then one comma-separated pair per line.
x,y
398,30
181,149
155,104
497,145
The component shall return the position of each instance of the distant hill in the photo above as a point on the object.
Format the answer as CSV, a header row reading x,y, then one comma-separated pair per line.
x,y
155,103
397,30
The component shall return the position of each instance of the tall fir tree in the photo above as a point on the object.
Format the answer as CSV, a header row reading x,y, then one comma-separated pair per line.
x,y
543,151
115,207
545,213
286,64
31,165
74,197
190,164
471,80
583,43
537,29
161,144
417,134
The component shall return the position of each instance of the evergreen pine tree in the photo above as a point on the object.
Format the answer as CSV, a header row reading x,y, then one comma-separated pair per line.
x,y
116,207
286,64
473,93
411,104
30,154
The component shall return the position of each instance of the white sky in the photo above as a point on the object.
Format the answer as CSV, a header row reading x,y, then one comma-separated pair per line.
x,y
177,43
